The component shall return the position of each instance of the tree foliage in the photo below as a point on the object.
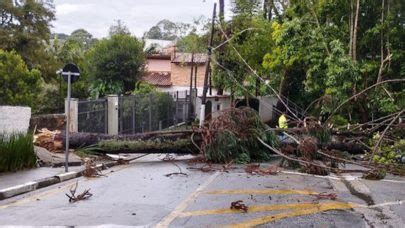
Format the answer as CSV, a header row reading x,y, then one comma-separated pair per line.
x,y
19,85
317,50
25,28
167,30
119,29
115,64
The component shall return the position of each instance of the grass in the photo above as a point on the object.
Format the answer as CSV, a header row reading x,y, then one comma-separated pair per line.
x,y
16,152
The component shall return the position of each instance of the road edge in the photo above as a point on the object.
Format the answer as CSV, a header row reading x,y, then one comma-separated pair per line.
x,y
47,181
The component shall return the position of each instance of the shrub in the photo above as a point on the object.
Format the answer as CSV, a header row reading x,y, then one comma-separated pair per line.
x,y
16,152
115,64
18,85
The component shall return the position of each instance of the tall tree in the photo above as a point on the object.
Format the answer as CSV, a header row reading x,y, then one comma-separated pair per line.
x,y
115,64
119,28
25,28
167,30
18,84
83,37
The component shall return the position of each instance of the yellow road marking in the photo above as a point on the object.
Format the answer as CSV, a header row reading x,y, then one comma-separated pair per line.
x,y
298,212
262,192
255,208
165,222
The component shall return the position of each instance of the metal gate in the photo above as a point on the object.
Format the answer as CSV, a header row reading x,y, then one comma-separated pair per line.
x,y
152,112
92,116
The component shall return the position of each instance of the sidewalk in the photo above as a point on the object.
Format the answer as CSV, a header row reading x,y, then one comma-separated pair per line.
x,y
15,183
11,179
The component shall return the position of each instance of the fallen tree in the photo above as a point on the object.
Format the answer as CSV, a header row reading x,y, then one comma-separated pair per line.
x,y
82,139
114,146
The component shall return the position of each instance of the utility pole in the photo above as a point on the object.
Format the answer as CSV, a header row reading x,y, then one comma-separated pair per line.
x,y
190,105
69,75
207,69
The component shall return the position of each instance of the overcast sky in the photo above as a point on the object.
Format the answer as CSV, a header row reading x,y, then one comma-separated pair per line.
x,y
96,16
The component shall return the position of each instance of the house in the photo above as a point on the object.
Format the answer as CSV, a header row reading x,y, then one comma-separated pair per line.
x,y
170,71
181,64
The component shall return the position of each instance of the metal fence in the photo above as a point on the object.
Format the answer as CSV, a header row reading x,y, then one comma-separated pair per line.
x,y
92,116
152,112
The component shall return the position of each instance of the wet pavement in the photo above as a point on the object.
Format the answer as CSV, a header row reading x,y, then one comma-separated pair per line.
x,y
140,194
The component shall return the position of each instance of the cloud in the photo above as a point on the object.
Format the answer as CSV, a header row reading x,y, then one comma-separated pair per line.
x,y
96,16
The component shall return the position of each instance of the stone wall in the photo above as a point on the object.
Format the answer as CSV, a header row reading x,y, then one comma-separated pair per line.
x,y
49,121
14,119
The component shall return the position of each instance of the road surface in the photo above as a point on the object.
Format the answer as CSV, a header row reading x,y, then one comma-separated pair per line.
x,y
140,194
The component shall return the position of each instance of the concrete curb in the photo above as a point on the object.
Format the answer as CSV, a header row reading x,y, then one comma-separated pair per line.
x,y
19,189
48,181
68,176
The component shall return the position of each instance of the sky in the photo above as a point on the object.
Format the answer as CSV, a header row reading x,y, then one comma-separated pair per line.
x,y
96,16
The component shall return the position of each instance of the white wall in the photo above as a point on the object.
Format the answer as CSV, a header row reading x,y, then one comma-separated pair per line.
x,y
223,102
14,119
266,107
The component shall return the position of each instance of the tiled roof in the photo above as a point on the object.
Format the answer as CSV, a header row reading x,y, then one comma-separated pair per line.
x,y
158,78
158,56
186,58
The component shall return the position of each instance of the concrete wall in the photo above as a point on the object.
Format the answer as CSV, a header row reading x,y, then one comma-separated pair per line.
x,y
266,107
181,74
218,104
14,119
49,121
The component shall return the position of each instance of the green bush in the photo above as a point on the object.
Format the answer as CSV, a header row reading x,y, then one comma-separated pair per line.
x,y
16,152
19,85
115,64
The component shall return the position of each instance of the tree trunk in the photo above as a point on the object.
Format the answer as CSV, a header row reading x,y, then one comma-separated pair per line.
x,y
379,78
284,88
351,29
266,9
355,27
81,139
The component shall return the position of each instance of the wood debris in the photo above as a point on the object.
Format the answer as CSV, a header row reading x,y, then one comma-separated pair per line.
x,y
49,140
239,205
90,169
82,196
255,169
324,195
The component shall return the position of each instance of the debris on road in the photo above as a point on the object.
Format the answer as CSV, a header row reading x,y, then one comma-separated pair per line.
x,y
255,169
239,205
176,173
91,170
82,196
180,172
324,195
374,174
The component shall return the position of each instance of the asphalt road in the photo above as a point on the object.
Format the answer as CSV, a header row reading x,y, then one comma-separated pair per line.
x,y
140,194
